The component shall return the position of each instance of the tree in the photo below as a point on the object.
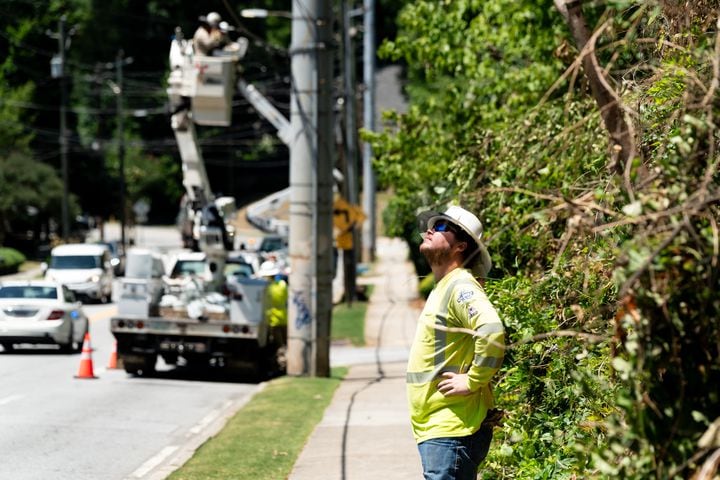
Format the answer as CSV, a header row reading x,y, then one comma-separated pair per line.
x,y
30,195
96,31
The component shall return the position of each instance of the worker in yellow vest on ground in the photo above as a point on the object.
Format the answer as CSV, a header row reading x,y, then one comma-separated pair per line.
x,y
276,297
458,348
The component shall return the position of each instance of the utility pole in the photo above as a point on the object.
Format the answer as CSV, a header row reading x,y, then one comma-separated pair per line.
x,y
311,180
119,61
350,255
58,71
350,104
369,123
121,140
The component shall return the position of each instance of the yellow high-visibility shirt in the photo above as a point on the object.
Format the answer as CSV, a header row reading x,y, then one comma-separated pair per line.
x,y
457,301
276,303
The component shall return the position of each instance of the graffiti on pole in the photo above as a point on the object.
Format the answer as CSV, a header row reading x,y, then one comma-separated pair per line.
x,y
303,317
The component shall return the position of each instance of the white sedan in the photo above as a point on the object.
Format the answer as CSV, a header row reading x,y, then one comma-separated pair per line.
x,y
41,312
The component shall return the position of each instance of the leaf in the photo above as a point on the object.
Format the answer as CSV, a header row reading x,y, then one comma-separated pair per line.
x,y
633,209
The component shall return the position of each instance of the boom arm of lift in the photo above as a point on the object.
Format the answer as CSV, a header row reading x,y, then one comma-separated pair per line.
x,y
200,89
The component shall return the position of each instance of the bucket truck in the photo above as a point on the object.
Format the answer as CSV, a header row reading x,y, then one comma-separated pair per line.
x,y
199,318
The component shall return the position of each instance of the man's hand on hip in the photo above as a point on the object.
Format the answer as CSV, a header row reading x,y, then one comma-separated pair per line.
x,y
454,384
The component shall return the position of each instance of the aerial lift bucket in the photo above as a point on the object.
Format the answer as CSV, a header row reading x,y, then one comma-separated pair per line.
x,y
212,89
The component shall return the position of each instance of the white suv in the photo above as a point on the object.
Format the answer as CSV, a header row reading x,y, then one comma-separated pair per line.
x,y
84,268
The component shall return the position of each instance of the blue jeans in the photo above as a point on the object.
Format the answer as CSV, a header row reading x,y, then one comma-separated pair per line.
x,y
455,458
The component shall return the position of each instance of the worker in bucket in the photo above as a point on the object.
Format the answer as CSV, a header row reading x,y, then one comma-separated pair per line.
x,y
208,37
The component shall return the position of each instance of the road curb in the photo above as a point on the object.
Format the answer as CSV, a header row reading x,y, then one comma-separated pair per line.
x,y
172,457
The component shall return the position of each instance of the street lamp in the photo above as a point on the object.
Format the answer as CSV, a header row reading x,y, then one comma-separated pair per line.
x,y
262,13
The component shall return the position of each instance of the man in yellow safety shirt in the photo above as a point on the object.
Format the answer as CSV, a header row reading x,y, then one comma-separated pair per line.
x,y
458,347
276,297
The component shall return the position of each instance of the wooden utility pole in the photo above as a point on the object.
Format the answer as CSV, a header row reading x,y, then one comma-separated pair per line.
x,y
311,194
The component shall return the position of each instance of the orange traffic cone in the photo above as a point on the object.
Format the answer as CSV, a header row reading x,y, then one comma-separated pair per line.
x,y
113,363
86,364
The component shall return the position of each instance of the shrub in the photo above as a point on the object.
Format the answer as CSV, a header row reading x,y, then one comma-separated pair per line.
x,y
10,260
426,285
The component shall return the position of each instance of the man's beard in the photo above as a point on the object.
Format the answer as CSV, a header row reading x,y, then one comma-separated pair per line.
x,y
436,256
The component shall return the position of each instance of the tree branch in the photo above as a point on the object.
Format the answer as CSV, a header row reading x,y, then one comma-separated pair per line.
x,y
621,133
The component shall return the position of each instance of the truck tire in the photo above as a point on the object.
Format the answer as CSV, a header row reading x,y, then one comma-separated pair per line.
x,y
137,365
170,358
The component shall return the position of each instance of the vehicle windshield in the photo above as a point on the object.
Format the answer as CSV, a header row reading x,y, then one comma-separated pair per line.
x,y
188,267
239,270
27,291
68,262
271,244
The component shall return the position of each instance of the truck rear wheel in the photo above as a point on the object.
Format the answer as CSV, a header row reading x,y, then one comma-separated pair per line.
x,y
139,365
170,358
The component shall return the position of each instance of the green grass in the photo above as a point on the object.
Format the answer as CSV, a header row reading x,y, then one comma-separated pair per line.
x,y
348,323
263,440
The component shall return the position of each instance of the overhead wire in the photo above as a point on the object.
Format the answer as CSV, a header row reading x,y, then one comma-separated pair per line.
x,y
257,39
136,86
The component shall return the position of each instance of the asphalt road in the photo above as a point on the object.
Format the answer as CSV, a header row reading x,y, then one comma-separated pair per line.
x,y
116,426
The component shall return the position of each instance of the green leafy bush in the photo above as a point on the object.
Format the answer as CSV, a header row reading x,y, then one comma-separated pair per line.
x,y
10,260
605,275
427,283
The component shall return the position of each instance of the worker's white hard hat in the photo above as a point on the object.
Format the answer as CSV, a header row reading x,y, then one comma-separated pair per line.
x,y
213,19
225,27
480,263
268,269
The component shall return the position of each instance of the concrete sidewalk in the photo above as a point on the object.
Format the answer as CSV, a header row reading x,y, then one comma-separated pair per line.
x,y
365,432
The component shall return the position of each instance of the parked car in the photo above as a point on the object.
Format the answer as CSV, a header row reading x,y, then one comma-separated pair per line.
x,y
85,268
41,312
117,256
273,243
244,262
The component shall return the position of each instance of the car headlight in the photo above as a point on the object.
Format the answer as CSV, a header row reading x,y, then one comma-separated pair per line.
x,y
95,278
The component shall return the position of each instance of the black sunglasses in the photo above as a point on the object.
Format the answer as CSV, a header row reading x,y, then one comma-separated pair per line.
x,y
443,226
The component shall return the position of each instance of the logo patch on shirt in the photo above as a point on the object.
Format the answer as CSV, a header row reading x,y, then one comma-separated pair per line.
x,y
472,311
464,296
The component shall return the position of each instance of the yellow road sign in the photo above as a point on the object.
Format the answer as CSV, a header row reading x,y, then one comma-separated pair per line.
x,y
345,217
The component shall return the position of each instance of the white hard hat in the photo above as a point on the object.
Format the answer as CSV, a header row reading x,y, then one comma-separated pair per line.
x,y
213,19
480,264
268,269
225,26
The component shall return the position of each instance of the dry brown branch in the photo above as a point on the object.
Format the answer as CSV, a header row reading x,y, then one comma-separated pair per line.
x,y
573,70
716,239
580,202
690,461
709,468
646,264
590,337
612,110
693,205
716,70
572,224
